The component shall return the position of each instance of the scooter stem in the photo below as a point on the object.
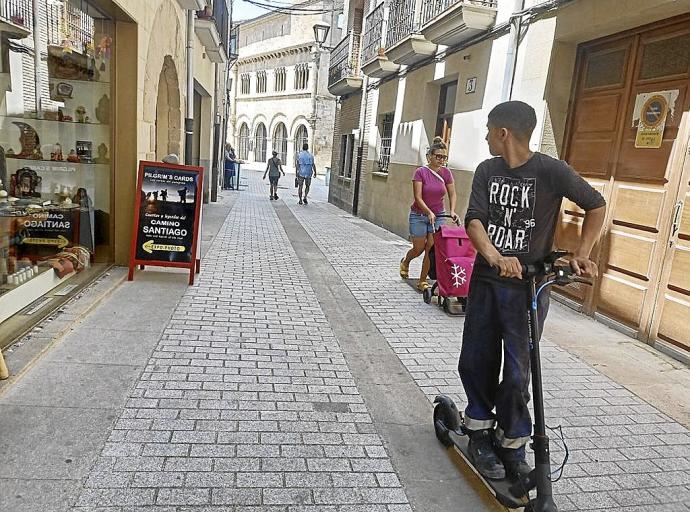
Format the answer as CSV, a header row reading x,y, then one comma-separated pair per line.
x,y
544,501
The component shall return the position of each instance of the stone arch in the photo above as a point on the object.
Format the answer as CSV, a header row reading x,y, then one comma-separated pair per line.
x,y
259,119
276,119
168,43
168,111
296,123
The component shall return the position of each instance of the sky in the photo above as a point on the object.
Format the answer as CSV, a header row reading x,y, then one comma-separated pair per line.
x,y
242,10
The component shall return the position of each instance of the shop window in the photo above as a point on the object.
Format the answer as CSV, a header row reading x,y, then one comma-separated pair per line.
x,y
386,141
446,108
301,76
280,79
261,82
606,68
243,142
245,84
55,155
666,58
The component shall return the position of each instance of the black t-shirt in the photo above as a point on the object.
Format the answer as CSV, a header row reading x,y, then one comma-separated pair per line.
x,y
519,207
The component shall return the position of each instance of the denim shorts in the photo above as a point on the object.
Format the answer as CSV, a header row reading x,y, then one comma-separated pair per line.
x,y
420,225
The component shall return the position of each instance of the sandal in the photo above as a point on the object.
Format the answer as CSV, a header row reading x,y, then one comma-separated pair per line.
x,y
423,285
404,269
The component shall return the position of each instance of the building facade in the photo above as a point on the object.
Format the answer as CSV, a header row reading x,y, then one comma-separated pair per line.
x,y
90,88
592,69
280,98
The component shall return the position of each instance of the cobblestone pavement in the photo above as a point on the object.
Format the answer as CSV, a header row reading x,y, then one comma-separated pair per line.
x,y
624,455
248,404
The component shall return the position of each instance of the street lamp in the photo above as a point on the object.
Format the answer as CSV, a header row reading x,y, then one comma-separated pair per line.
x,y
321,32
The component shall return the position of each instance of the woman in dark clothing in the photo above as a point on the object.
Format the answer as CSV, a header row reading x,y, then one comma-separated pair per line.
x,y
229,167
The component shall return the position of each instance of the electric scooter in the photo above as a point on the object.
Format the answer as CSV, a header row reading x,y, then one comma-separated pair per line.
x,y
449,423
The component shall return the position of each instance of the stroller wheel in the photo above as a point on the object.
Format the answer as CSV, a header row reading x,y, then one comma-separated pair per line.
x,y
446,304
427,294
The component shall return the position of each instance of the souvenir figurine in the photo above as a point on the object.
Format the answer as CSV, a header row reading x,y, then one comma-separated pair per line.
x,y
84,151
56,155
102,157
72,156
80,112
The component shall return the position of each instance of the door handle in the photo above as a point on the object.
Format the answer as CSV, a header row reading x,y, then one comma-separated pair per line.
x,y
675,226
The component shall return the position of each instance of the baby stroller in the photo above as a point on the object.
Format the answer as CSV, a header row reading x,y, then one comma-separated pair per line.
x,y
452,260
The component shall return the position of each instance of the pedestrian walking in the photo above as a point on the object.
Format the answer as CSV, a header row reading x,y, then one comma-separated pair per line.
x,y
305,169
511,220
230,160
274,168
430,184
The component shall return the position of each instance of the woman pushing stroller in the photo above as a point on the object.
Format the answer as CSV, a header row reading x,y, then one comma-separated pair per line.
x,y
430,184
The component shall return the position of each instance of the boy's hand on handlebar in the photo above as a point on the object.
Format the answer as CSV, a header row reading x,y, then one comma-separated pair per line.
x,y
583,266
507,266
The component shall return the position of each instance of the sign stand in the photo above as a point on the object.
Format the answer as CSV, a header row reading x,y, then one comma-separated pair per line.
x,y
165,231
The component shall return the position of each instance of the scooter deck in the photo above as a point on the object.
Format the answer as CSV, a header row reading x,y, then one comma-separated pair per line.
x,y
499,488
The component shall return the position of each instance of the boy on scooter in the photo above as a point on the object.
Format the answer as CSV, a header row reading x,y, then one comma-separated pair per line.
x,y
511,220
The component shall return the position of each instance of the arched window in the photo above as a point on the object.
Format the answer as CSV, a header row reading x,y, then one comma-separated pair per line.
x,y
280,138
243,142
301,138
260,143
280,77
301,76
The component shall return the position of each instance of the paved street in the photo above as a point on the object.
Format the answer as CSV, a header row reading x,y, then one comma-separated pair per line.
x,y
297,375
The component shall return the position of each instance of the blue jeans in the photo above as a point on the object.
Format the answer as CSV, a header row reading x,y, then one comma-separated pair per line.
x,y
496,330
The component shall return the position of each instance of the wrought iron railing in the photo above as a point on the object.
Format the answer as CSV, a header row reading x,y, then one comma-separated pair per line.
x,y
401,21
432,8
372,43
345,58
18,12
221,17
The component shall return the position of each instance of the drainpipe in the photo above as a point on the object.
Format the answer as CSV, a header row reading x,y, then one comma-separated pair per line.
x,y
511,54
189,110
37,59
216,139
360,148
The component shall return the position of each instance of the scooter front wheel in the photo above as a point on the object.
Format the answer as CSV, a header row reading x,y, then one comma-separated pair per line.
x,y
442,431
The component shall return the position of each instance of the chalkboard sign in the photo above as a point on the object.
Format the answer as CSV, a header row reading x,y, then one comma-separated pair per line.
x,y
168,206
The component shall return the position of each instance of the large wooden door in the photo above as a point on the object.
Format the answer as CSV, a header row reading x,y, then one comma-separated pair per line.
x,y
641,188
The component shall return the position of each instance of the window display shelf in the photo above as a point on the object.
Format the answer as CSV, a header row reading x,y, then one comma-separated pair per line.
x,y
41,120
59,165
15,298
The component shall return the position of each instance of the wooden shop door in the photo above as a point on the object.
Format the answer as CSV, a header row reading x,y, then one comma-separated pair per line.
x,y
642,185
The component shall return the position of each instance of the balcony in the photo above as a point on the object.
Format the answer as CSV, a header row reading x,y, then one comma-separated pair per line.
x,y
343,74
417,27
375,62
212,27
404,43
451,22
16,18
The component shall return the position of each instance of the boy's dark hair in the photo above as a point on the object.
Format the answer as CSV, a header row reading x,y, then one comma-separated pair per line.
x,y
516,116
305,146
